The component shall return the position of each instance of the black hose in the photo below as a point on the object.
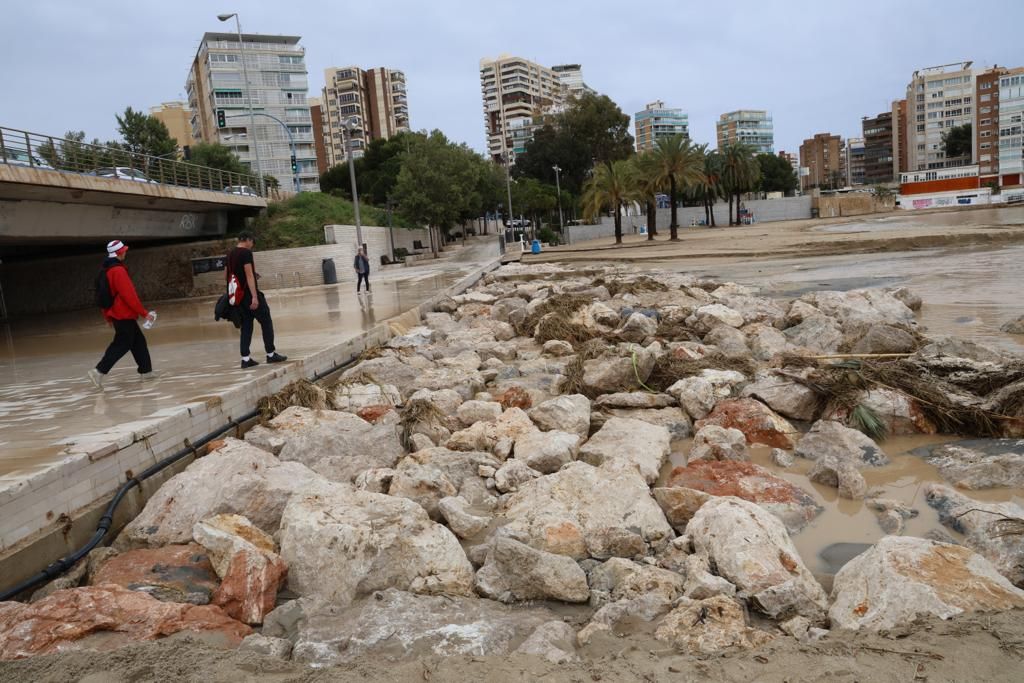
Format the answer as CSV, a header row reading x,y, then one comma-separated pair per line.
x,y
65,563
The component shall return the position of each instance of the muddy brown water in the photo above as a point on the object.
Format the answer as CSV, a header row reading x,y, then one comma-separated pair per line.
x,y
851,521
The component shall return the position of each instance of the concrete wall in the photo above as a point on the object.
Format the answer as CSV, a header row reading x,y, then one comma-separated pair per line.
x,y
765,211
857,204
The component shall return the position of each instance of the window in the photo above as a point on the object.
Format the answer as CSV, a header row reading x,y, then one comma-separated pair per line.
x,y
985,122
986,145
986,133
289,59
222,58
985,86
986,98
228,95
920,128
985,110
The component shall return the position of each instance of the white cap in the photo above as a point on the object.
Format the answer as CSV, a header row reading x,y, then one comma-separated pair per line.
x,y
114,246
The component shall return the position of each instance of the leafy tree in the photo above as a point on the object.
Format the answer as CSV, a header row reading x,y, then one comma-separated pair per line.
x,y
957,141
218,156
776,174
554,146
532,198
271,181
145,134
601,125
741,173
710,186
74,154
336,181
679,165
610,187
647,179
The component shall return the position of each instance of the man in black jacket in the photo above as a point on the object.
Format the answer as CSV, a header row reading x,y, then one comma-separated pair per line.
x,y
253,305
362,266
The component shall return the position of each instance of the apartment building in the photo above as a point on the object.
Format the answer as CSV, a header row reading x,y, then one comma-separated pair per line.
x,y
751,127
373,99
1011,133
821,157
276,87
658,121
316,114
516,94
938,99
571,78
794,161
177,117
900,158
854,161
878,148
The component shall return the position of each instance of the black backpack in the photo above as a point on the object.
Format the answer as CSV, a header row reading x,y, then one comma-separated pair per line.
x,y
104,297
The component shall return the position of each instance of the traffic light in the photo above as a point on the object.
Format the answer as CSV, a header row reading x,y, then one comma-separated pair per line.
x,y
295,164
222,119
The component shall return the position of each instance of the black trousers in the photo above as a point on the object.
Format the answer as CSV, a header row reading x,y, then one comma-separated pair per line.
x,y
260,315
363,277
127,337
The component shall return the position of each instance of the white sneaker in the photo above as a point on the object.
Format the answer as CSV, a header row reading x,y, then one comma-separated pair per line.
x,y
148,376
96,377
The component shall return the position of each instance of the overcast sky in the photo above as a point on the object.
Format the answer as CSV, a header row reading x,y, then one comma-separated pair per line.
x,y
815,65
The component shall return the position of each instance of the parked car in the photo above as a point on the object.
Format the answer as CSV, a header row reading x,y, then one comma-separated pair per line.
x,y
19,157
123,172
243,190
519,223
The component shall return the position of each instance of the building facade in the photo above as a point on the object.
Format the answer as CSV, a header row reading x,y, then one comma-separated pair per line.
x,y
938,99
1011,132
571,78
794,161
855,154
516,94
177,117
900,158
277,87
878,148
751,127
373,99
657,121
821,159
316,113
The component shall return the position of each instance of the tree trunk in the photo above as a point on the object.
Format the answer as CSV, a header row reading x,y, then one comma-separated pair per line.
x,y
711,205
707,211
730,209
618,224
673,227
738,209
652,218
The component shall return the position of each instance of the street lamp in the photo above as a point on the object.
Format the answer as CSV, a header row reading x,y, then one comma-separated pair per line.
x,y
350,124
558,187
508,156
248,97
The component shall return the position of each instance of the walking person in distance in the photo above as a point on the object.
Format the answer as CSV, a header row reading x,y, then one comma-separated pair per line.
x,y
116,296
362,266
242,287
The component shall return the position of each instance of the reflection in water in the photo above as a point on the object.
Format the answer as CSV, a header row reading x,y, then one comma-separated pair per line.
x,y
333,303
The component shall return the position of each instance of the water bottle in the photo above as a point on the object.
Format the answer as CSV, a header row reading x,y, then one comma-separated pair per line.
x,y
150,320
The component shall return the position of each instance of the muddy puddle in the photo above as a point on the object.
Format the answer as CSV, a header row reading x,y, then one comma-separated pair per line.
x,y
844,526
911,220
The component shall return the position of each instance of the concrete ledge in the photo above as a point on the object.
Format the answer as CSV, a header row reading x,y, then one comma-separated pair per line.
x,y
52,513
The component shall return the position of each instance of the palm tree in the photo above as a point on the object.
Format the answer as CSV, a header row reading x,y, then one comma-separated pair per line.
x,y
646,176
741,173
709,187
610,186
679,166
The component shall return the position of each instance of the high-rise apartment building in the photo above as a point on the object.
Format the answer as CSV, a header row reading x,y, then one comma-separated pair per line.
x,y
900,158
794,161
657,121
516,94
316,114
1011,129
855,153
751,127
878,148
571,78
938,99
986,132
277,87
822,157
374,99
177,117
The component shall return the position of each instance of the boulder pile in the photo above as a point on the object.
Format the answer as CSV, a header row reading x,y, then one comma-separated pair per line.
x,y
514,451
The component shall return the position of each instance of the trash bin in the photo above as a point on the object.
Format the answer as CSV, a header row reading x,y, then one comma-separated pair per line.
x,y
330,272
535,247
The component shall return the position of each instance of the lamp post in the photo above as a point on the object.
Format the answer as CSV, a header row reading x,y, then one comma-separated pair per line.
x,y
558,188
248,98
291,146
349,125
508,184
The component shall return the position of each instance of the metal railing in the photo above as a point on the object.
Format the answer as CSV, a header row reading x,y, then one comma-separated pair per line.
x,y
45,152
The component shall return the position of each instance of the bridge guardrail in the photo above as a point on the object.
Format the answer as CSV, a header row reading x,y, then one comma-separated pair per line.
x,y
23,148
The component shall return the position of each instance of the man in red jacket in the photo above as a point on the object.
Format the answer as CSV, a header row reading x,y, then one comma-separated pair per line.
x,y
123,314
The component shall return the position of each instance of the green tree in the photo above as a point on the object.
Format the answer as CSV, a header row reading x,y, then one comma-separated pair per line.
x,y
145,134
218,156
553,145
956,141
72,153
740,173
709,188
776,174
610,187
271,181
647,179
680,165
335,180
602,127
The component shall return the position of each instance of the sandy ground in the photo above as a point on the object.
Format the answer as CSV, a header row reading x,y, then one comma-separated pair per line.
x,y
968,648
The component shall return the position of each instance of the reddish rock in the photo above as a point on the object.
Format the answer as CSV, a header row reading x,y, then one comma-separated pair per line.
x,y
514,397
373,413
66,619
758,422
249,588
173,573
793,505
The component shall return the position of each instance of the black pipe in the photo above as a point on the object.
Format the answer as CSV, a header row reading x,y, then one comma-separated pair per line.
x,y
65,563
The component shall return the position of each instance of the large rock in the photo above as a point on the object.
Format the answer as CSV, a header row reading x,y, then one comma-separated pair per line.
x,y
354,397
1015,326
885,339
638,327
766,342
609,374
675,420
340,543
728,340
622,579
751,548
554,642
640,443
583,511
389,370
234,478
718,443
698,395
496,437
859,310
790,503
515,572
431,474
994,530
546,452
785,396
707,317
817,333
899,413
842,475
462,518
173,573
901,579
513,474
967,467
472,412
634,399
393,625
709,626
829,439
118,616
758,422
